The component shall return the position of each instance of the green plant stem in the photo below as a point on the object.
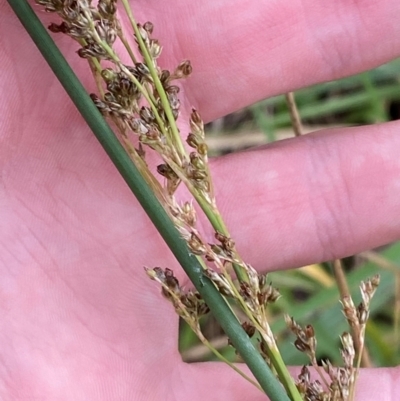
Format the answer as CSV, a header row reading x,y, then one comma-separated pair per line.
x,y
218,224
146,198
284,374
127,46
210,211
160,89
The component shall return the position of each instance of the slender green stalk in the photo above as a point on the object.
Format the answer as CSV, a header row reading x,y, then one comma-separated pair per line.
x,y
156,80
148,201
127,46
284,374
218,224
211,213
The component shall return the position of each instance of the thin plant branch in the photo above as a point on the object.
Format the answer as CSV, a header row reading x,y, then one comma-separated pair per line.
x,y
294,114
200,352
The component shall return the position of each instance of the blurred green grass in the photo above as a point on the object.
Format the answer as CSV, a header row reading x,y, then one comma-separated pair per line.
x,y
310,295
361,99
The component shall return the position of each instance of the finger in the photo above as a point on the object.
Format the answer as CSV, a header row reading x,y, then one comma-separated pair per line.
x,y
250,50
216,381
259,49
322,196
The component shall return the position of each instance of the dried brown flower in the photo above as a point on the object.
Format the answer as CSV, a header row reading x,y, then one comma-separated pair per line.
x,y
221,282
305,338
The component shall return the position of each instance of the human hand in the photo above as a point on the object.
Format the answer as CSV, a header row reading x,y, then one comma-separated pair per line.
x,y
79,318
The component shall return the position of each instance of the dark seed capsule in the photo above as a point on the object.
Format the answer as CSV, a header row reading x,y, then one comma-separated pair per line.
x,y
192,141
249,329
183,70
164,77
195,117
148,26
166,171
147,115
309,331
63,28
142,69
302,347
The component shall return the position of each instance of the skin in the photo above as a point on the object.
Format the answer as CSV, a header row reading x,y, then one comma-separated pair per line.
x,y
79,319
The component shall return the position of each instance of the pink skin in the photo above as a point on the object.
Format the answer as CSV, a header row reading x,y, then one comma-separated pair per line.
x,y
79,318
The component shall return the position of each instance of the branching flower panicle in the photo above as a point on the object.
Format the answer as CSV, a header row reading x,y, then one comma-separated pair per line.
x,y
141,99
342,379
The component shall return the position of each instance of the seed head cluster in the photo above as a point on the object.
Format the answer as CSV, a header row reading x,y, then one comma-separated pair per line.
x,y
338,382
141,99
185,302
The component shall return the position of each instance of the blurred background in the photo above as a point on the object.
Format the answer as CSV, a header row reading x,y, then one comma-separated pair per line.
x,y
310,294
